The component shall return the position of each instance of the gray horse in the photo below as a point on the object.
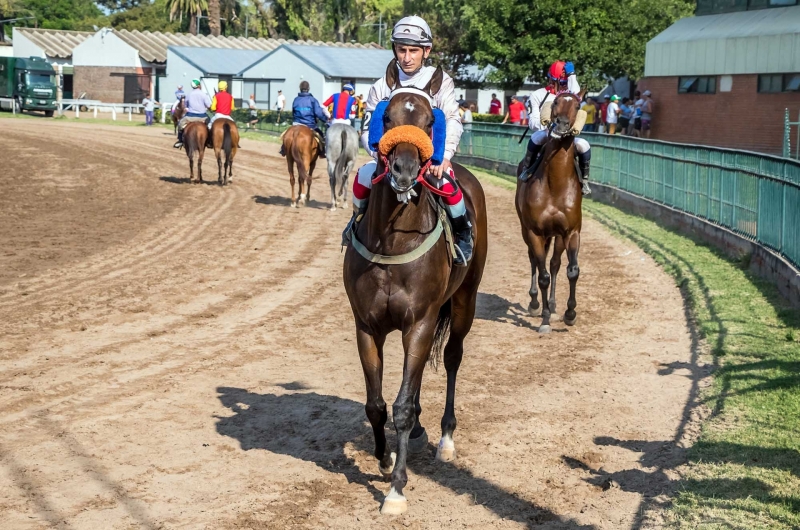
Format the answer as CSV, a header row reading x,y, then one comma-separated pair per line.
x,y
341,151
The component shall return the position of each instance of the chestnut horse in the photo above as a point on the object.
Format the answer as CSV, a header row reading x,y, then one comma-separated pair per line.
x,y
195,135
178,112
549,210
424,295
300,146
225,140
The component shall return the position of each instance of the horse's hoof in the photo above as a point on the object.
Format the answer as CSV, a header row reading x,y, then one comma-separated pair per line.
x,y
534,311
570,321
333,208
544,329
387,471
446,450
419,444
294,204
394,504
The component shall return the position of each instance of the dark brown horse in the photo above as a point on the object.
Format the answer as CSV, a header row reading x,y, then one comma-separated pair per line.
x,y
300,146
178,112
225,140
195,135
549,210
424,298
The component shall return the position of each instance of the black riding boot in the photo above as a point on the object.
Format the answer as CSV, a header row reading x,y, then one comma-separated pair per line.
x,y
462,229
179,143
527,162
282,151
583,165
352,224
321,138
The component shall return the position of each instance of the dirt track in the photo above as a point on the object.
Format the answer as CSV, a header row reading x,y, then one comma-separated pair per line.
x,y
179,356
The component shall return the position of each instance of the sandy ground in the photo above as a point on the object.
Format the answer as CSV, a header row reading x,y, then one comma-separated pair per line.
x,y
182,356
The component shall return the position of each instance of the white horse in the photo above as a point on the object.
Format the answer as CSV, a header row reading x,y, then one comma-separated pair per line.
x,y
341,151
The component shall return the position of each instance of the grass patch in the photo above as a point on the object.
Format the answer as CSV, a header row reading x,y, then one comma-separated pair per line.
x,y
744,470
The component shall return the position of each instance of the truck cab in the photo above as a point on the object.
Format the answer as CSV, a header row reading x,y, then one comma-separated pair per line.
x,y
27,84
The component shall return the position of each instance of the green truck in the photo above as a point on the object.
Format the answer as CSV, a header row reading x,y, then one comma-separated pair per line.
x,y
27,84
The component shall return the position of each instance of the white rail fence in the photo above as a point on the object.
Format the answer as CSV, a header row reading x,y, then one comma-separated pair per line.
x,y
93,106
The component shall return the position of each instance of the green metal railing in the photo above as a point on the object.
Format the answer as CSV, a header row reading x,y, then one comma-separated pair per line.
x,y
787,136
754,195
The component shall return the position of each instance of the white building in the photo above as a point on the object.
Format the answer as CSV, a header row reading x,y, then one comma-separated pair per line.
x,y
54,45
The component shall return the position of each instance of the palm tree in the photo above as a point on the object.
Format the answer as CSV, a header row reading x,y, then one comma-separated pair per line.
x,y
190,8
213,17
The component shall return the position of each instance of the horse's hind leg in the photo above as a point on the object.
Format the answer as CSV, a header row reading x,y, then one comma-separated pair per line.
x,y
220,166
370,351
555,266
573,272
418,440
290,163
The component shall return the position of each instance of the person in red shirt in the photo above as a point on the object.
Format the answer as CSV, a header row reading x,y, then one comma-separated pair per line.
x,y
515,112
604,110
496,106
221,104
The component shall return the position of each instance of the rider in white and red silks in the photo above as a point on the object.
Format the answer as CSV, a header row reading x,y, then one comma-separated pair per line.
x,y
562,79
411,43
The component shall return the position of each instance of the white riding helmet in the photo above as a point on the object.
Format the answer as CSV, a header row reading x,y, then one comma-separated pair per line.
x,y
413,31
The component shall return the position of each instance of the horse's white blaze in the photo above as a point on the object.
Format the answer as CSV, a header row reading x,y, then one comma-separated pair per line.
x,y
409,106
394,503
446,451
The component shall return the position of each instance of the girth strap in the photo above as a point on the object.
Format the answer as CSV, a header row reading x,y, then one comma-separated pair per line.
x,y
402,259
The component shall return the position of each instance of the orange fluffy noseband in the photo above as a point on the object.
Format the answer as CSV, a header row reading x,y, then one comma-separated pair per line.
x,y
407,134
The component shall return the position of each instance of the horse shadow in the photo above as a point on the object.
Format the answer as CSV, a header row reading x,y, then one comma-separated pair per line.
x,y
186,180
495,308
278,200
316,428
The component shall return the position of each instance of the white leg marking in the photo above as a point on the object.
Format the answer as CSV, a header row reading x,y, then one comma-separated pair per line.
x,y
446,452
388,472
394,504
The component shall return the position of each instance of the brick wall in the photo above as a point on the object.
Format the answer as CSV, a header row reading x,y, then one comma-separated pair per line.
x,y
741,118
99,84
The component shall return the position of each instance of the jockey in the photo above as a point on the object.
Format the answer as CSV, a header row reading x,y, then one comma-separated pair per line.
x,y
561,79
221,104
197,104
178,95
411,44
306,110
343,104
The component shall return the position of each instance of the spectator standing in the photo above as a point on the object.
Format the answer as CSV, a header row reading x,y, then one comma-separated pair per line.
x,y
280,104
603,111
637,113
515,110
466,124
626,111
149,108
591,115
253,112
647,113
612,115
496,106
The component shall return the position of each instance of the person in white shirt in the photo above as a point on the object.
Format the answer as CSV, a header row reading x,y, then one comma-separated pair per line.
x,y
562,79
411,44
280,104
612,114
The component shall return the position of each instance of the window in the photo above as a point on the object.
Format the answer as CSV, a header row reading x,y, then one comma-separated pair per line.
x,y
697,85
776,83
259,88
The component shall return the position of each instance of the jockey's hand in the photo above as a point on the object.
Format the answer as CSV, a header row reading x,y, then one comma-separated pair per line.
x,y
438,171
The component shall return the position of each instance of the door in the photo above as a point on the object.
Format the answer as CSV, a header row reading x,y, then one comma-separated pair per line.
x,y
137,87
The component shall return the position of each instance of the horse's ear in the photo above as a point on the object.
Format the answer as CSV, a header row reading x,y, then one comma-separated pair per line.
x,y
391,74
435,83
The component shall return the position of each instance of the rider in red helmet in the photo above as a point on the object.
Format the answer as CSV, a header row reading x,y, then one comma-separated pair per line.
x,y
561,78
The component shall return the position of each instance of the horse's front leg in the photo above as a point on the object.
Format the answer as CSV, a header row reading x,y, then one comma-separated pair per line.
x,y
540,255
370,351
573,272
534,309
555,266
417,343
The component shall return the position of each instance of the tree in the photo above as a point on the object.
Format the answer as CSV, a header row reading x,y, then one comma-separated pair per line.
x,y
190,8
213,17
64,14
450,45
604,38
146,17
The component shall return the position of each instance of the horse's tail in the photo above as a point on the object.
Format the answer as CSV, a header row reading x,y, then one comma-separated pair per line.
x,y
227,143
341,163
443,322
189,144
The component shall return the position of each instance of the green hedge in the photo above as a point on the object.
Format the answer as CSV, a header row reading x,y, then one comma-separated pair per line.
x,y
487,118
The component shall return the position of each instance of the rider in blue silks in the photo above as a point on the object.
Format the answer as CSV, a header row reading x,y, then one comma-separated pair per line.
x,y
306,110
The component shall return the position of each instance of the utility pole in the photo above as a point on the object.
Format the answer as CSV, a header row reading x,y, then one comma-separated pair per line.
x,y
381,28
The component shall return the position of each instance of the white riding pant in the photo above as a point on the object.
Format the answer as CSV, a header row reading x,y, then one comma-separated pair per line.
x,y
216,117
540,137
